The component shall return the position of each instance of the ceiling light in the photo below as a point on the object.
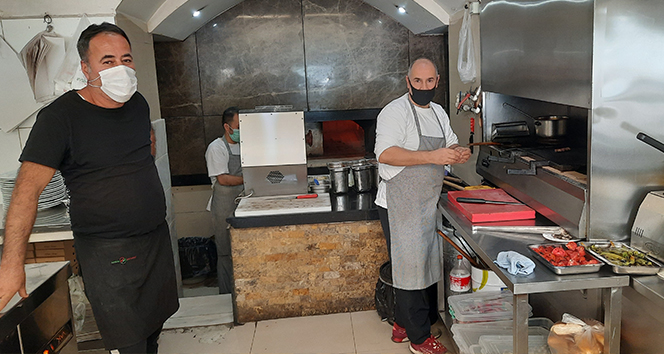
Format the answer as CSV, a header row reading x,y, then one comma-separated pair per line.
x,y
401,9
198,12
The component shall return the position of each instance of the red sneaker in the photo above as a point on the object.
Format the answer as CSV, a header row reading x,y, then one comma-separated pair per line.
x,y
430,346
399,334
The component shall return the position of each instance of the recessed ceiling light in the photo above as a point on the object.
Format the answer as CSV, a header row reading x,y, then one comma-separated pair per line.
x,y
197,13
401,9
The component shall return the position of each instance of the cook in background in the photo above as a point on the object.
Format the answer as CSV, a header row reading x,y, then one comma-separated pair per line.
x,y
414,142
99,138
225,172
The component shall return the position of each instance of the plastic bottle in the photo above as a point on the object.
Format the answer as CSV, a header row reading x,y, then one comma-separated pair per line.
x,y
459,277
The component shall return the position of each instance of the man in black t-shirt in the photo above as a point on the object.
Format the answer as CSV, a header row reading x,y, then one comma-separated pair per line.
x,y
99,138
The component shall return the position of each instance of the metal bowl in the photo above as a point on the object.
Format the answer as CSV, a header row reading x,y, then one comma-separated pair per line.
x,y
551,126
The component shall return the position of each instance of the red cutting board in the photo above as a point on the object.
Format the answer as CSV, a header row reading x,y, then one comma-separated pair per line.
x,y
490,212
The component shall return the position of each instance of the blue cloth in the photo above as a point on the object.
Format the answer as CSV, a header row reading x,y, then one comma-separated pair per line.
x,y
515,263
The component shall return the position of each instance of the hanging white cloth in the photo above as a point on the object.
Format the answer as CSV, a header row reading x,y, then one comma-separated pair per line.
x,y
16,96
42,58
70,76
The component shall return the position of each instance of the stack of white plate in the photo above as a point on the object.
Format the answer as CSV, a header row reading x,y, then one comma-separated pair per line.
x,y
7,181
53,195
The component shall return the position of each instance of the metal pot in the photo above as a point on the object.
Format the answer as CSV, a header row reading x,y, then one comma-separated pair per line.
x,y
338,177
551,126
363,175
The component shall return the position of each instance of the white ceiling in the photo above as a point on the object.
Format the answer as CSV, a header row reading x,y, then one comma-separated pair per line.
x,y
173,18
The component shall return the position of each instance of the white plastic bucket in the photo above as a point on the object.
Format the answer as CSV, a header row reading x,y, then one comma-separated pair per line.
x,y
485,280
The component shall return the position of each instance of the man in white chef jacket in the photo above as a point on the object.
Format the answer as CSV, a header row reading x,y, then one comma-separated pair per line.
x,y
225,172
414,142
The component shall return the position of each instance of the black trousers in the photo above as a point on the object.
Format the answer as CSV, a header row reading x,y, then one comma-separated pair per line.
x,y
416,310
147,346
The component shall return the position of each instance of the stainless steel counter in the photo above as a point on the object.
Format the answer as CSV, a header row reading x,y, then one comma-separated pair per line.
x,y
35,276
487,245
652,287
43,321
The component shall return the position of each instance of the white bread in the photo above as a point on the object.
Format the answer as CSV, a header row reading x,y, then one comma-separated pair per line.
x,y
562,329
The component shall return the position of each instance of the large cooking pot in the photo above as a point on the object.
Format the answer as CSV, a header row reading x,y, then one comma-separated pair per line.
x,y
338,177
363,174
551,126
548,127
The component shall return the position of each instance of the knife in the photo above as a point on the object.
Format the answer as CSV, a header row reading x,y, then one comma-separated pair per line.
x,y
302,196
307,196
484,201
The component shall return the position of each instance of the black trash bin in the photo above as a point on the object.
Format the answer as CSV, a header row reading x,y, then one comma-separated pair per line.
x,y
385,295
198,257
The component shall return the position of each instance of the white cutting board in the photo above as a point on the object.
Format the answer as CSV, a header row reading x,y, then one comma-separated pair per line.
x,y
283,204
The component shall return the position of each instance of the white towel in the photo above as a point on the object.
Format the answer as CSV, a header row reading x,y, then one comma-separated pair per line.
x,y
515,263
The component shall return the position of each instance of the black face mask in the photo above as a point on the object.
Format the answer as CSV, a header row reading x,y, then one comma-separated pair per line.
x,y
422,97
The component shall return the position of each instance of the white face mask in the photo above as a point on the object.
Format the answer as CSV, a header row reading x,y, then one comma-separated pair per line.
x,y
118,82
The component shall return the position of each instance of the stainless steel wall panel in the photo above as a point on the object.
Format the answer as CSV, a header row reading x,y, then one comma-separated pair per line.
x,y
538,49
628,78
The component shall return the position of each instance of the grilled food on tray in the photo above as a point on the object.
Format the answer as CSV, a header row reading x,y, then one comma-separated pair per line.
x,y
622,256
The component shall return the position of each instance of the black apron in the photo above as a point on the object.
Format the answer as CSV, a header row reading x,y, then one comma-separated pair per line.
x,y
223,205
130,283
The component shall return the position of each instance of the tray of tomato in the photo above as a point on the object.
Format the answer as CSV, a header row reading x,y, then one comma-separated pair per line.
x,y
569,258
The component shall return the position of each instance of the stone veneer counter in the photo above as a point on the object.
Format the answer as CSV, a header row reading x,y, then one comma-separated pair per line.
x,y
307,264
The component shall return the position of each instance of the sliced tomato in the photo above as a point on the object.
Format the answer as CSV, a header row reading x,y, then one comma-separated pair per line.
x,y
559,251
571,245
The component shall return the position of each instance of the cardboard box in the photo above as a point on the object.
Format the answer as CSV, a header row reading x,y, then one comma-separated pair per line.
x,y
52,245
70,255
50,253
31,247
29,254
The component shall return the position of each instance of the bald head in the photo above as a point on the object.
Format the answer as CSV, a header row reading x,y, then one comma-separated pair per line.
x,y
422,81
422,64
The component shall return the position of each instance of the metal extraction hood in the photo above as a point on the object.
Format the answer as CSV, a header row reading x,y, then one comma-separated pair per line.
x,y
174,18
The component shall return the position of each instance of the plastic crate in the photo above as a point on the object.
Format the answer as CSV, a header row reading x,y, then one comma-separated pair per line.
x,y
505,344
468,335
482,307
475,349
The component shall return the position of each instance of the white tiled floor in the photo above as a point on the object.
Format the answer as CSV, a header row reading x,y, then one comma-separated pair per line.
x,y
200,311
356,332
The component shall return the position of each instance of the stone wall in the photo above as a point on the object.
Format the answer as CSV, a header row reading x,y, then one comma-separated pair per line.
x,y
302,270
314,55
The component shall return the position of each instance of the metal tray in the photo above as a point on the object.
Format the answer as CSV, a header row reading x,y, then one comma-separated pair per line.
x,y
618,269
580,269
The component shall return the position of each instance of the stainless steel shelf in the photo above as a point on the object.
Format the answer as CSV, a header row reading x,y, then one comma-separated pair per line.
x,y
487,245
542,280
